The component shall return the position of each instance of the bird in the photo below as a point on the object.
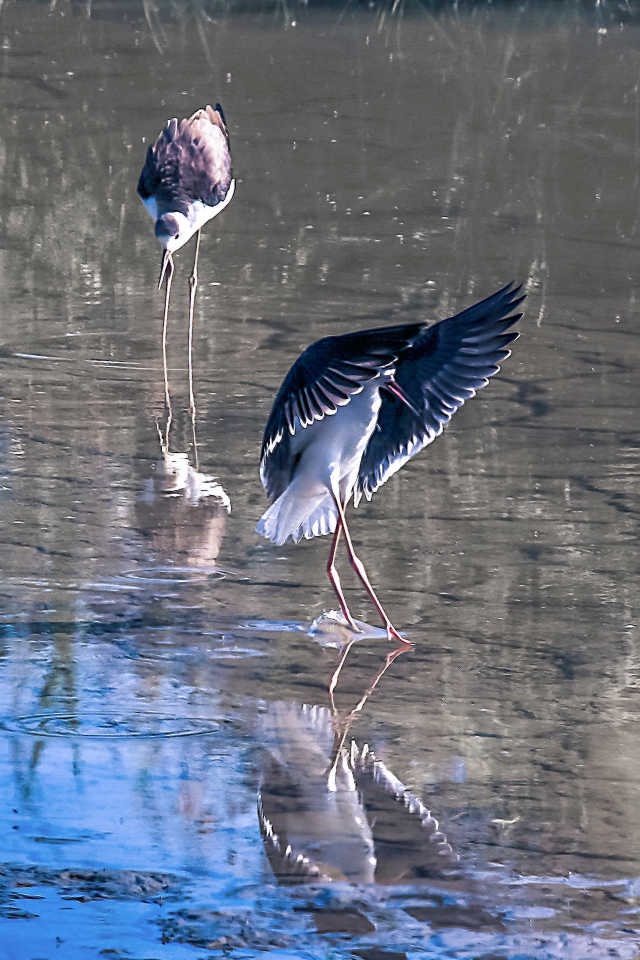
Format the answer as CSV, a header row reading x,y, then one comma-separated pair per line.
x,y
187,179
354,408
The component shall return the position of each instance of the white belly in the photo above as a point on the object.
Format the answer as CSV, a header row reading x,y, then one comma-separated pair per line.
x,y
331,449
328,455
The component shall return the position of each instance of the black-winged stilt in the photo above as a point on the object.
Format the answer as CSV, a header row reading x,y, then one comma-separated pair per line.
x,y
354,408
186,180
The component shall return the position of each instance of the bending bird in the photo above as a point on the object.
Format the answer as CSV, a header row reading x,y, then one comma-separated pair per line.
x,y
186,180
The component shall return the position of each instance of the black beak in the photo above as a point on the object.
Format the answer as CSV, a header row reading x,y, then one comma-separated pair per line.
x,y
167,264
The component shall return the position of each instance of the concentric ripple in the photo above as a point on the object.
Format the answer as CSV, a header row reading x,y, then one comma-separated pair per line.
x,y
107,726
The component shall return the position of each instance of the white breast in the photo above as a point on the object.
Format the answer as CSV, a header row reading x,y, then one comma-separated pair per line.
x,y
331,449
199,214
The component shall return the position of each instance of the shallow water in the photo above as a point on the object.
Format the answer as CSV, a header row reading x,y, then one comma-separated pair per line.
x,y
159,670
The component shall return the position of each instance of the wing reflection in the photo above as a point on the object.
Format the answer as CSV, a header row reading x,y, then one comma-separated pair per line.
x,y
183,511
329,809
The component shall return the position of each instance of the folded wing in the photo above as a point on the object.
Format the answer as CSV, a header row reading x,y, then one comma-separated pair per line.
x,y
441,368
189,160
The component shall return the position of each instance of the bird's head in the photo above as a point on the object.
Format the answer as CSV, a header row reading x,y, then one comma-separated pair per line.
x,y
170,231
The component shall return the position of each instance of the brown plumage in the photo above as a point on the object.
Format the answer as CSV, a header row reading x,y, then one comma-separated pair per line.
x,y
190,161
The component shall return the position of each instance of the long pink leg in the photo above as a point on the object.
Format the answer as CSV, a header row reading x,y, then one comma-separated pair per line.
x,y
358,566
167,271
193,285
334,578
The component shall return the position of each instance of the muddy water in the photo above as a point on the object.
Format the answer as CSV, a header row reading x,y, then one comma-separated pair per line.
x,y
163,703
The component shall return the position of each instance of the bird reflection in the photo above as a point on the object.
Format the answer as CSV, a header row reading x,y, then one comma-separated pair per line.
x,y
182,509
330,810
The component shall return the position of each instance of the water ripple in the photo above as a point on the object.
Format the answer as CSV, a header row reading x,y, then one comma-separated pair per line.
x,y
109,726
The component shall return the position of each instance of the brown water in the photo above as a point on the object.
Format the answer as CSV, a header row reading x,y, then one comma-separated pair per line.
x,y
156,652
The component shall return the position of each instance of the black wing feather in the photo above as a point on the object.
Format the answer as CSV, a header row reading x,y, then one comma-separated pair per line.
x,y
323,378
444,366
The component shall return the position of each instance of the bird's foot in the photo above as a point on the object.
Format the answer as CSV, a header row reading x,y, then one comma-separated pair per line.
x,y
392,634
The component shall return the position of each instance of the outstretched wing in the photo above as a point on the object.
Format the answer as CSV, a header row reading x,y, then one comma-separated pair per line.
x,y
326,376
446,365
190,160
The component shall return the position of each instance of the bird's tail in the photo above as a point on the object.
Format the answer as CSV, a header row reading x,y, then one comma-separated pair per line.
x,y
292,517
